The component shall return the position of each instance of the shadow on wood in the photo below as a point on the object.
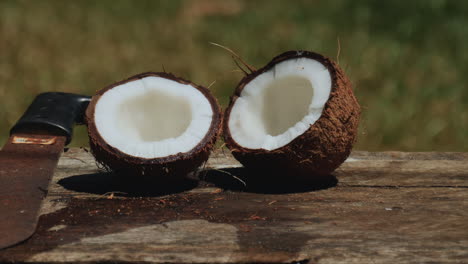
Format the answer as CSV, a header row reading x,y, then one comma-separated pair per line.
x,y
108,183
244,180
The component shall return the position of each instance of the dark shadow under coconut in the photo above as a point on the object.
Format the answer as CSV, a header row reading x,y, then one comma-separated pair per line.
x,y
107,183
254,181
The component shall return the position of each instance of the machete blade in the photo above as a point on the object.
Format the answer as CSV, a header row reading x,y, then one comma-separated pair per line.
x,y
27,163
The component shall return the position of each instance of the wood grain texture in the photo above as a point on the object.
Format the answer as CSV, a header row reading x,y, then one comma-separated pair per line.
x,y
388,207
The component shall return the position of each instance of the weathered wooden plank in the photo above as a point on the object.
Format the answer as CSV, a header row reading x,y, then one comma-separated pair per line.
x,y
429,173
385,207
352,225
430,169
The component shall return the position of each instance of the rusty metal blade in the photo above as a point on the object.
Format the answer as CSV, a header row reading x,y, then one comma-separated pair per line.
x,y
27,162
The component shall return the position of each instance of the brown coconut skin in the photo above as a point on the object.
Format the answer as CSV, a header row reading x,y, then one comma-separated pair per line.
x,y
323,147
171,166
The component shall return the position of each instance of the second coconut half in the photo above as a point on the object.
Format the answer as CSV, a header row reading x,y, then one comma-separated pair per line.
x,y
296,116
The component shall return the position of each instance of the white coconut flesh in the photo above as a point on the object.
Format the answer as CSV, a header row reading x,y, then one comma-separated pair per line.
x,y
280,104
153,117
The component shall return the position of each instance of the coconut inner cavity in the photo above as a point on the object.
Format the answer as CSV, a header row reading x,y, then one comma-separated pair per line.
x,y
153,117
280,104
146,116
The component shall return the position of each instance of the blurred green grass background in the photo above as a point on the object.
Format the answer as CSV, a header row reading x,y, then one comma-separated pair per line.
x,y
408,60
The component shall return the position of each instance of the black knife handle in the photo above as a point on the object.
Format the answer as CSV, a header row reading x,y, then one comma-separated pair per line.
x,y
54,112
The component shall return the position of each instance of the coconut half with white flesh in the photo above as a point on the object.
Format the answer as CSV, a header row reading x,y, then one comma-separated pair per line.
x,y
153,124
297,116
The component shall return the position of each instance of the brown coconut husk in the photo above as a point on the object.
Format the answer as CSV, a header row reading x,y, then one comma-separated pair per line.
x,y
319,150
176,165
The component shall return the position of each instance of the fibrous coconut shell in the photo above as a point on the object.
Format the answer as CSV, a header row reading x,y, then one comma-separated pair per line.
x,y
323,147
176,165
